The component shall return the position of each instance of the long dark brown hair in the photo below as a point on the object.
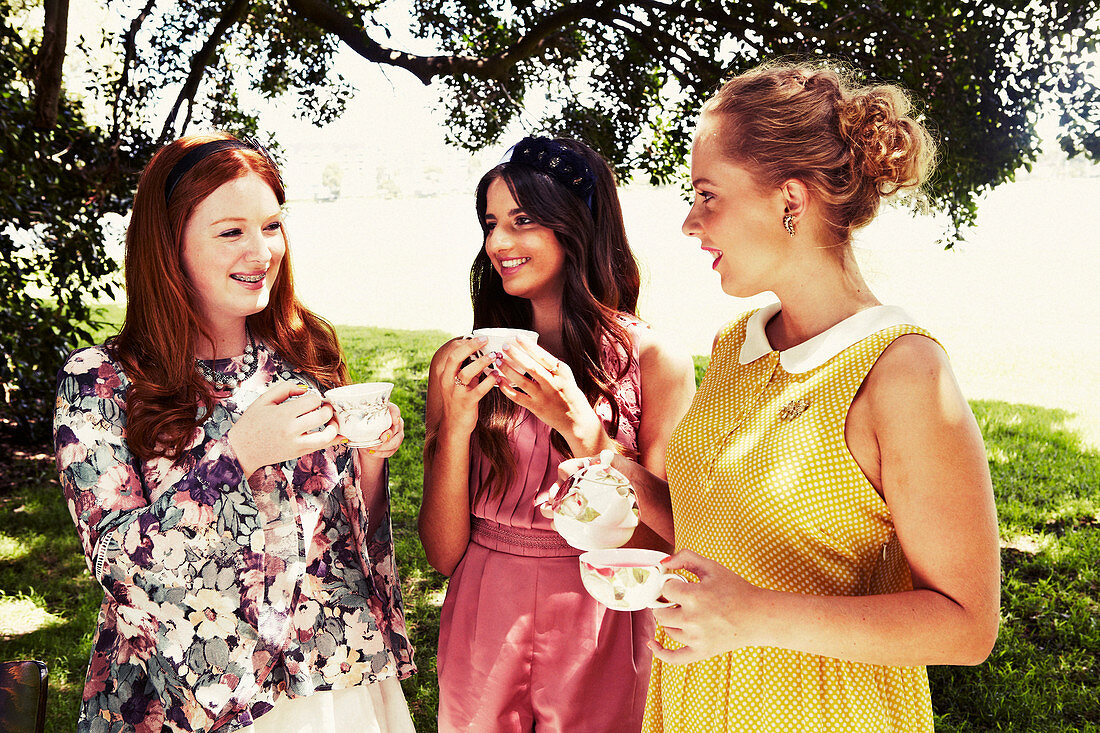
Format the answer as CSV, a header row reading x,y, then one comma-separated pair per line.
x,y
600,283
168,398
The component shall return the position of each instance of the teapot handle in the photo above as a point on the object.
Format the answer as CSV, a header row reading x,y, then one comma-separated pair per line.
x,y
558,493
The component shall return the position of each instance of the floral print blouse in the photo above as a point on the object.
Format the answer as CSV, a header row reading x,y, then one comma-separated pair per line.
x,y
220,594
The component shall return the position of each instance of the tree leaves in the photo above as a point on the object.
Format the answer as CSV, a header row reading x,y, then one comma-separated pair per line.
x,y
55,186
625,75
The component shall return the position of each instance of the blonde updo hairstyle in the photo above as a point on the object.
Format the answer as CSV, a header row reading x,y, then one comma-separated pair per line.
x,y
851,145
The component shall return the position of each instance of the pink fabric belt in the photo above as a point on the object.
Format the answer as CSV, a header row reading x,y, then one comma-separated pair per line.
x,y
525,541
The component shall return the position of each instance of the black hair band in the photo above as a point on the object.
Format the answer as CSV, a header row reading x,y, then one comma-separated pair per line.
x,y
563,164
193,156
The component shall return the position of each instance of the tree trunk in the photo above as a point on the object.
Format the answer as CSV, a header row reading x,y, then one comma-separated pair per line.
x,y
48,63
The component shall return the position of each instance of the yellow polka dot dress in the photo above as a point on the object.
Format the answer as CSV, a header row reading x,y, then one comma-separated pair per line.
x,y
762,482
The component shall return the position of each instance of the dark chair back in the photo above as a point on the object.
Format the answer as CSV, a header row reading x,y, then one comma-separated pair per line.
x,y
22,697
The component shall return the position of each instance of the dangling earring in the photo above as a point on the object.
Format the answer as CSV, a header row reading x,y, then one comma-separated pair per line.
x,y
788,224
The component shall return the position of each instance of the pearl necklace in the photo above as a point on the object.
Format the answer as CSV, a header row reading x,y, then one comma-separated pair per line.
x,y
227,381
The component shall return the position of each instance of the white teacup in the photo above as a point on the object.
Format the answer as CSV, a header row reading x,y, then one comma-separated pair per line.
x,y
362,411
596,508
498,337
626,579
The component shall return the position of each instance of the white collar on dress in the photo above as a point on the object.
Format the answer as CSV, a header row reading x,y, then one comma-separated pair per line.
x,y
814,352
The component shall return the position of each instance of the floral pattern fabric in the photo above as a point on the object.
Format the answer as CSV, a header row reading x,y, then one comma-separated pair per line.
x,y
220,594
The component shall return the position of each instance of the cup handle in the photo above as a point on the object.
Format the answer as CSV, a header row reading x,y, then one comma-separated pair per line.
x,y
667,577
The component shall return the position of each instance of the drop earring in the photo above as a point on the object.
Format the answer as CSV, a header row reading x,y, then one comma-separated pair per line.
x,y
788,223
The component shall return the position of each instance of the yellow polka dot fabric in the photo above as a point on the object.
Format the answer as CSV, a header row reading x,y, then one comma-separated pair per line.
x,y
762,482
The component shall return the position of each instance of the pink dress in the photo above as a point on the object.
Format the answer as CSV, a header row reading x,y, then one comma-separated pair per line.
x,y
522,646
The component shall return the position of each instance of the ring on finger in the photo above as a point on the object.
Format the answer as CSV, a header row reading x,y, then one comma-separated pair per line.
x,y
459,382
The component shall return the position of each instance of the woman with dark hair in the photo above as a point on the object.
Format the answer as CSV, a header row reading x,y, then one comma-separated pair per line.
x,y
830,491
522,646
244,549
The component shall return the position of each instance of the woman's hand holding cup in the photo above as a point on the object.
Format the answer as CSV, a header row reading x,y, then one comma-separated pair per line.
x,y
391,438
718,613
463,384
535,379
287,421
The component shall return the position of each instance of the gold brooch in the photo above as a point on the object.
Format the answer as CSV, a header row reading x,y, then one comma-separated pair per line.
x,y
794,408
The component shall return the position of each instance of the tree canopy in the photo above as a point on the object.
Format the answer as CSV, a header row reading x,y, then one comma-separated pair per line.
x,y
55,187
626,75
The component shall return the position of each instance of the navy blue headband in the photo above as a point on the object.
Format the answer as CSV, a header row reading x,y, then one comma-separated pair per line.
x,y
563,164
197,153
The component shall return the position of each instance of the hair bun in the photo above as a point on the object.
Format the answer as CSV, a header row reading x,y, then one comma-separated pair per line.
x,y
850,144
890,149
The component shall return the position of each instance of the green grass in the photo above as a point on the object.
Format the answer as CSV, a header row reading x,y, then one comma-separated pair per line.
x,y
1043,674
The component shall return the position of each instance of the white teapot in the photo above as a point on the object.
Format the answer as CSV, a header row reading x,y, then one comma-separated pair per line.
x,y
596,508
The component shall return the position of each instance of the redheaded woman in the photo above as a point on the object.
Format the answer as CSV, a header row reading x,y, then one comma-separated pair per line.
x,y
244,551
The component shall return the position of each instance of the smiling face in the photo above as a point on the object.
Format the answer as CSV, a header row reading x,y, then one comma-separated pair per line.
x,y
233,245
526,255
734,219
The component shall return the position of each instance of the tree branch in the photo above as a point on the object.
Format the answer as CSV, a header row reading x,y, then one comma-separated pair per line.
x,y
129,45
644,35
48,64
233,14
425,68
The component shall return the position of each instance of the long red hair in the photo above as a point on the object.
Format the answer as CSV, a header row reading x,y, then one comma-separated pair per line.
x,y
156,346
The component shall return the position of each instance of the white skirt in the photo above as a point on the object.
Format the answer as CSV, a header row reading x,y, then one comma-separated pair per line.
x,y
374,708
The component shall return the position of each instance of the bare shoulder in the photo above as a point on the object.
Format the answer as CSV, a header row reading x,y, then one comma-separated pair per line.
x,y
912,385
661,356
912,353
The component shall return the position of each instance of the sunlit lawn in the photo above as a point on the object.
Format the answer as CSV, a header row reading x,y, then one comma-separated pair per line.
x,y
1043,674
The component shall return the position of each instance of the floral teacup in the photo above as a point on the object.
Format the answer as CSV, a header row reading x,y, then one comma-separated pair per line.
x,y
362,411
626,579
